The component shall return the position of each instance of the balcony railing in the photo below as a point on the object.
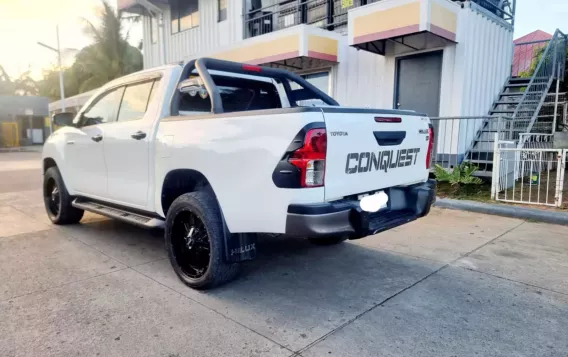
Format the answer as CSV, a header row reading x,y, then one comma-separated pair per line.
x,y
504,9
327,14
332,14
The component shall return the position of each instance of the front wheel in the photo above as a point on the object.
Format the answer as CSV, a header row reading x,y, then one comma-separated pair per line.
x,y
57,200
195,241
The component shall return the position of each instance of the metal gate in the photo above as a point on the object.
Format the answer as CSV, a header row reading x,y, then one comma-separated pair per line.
x,y
528,175
10,134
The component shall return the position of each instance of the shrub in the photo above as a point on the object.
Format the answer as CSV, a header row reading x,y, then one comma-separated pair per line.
x,y
461,174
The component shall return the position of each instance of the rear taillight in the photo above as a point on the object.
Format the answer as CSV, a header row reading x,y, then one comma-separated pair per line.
x,y
310,158
388,120
430,146
252,68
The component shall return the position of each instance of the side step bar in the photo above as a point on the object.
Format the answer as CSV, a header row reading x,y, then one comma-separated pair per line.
x,y
136,219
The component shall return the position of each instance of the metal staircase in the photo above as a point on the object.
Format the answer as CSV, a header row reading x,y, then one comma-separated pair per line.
x,y
517,106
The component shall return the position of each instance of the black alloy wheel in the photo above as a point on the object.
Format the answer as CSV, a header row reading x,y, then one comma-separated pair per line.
x,y
195,238
58,202
53,197
192,246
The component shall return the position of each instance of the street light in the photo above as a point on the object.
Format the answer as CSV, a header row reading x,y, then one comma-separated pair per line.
x,y
61,87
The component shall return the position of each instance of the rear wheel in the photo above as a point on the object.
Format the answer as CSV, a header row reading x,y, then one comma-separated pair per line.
x,y
57,200
328,240
195,241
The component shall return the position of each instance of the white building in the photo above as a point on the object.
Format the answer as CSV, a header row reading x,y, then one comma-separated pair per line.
x,y
440,57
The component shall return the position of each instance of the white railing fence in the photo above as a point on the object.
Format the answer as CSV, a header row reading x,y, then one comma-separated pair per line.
x,y
524,168
467,138
536,140
532,174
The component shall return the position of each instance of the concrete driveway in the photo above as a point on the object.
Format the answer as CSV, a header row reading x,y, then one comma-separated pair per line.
x,y
452,284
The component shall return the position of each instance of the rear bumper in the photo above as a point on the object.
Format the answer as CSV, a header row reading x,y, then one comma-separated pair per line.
x,y
345,217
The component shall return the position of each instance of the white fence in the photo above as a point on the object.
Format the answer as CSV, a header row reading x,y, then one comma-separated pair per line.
x,y
467,138
531,174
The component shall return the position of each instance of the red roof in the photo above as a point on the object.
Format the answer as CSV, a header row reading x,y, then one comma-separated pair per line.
x,y
524,54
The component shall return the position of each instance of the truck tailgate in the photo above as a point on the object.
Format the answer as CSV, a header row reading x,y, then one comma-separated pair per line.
x,y
369,150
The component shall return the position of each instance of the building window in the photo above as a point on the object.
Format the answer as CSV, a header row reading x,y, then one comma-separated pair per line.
x,y
153,29
222,10
319,80
185,14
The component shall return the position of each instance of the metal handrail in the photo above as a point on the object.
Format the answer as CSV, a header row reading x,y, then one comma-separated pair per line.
x,y
546,71
530,42
456,136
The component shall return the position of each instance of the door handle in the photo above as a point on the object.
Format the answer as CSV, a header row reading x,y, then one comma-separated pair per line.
x,y
139,135
97,138
70,142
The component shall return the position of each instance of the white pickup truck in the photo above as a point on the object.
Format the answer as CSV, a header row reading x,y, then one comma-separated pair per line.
x,y
216,152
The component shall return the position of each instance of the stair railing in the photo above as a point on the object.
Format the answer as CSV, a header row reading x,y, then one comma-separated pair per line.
x,y
551,66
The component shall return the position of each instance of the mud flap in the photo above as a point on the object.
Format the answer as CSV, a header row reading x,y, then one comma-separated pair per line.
x,y
240,247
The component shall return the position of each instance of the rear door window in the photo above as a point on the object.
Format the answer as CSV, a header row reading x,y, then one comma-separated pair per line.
x,y
237,95
135,101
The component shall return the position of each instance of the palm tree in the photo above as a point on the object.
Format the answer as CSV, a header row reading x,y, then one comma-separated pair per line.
x,y
6,84
23,85
110,56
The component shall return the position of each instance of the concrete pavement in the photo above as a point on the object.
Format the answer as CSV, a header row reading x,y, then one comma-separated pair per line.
x,y
452,284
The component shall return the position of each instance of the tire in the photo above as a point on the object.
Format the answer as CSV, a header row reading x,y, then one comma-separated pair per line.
x,y
189,217
328,240
57,200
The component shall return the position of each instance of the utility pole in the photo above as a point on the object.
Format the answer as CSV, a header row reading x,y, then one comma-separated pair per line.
x,y
61,86
61,83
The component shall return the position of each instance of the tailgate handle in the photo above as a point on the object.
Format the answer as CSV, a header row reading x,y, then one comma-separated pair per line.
x,y
389,138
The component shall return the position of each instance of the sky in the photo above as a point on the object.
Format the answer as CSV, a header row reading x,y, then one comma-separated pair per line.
x,y
24,22
545,15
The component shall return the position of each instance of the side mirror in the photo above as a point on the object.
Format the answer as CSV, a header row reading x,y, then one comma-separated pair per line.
x,y
193,86
63,119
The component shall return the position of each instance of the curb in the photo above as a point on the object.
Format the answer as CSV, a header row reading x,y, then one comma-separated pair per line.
x,y
504,210
22,149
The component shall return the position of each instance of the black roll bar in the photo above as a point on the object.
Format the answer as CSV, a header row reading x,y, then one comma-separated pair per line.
x,y
204,65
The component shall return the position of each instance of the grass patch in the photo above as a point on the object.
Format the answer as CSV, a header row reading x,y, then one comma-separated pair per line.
x,y
481,193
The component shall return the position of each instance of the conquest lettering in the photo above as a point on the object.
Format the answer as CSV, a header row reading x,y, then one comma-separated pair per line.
x,y
361,162
351,165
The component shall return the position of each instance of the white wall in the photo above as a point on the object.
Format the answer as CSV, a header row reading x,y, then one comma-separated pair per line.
x,y
358,79
483,62
208,35
366,79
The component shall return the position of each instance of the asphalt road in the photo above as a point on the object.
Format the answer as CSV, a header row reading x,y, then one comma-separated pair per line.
x,y
20,171
451,284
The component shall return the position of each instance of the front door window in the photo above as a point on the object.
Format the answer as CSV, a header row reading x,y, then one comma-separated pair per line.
x,y
103,110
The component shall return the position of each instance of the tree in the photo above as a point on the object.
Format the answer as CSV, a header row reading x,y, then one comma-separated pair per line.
x,y
110,56
49,85
537,57
23,85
